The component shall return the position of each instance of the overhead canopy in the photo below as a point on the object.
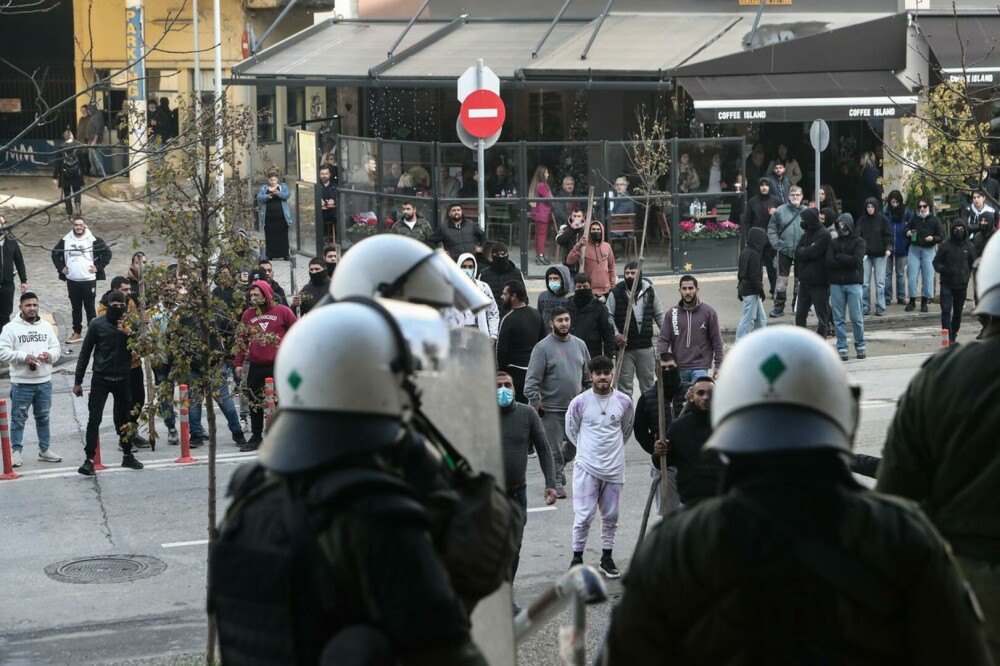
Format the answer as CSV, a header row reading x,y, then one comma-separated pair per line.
x,y
799,97
966,45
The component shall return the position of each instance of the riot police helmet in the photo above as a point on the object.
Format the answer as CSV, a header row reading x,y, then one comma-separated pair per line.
x,y
988,280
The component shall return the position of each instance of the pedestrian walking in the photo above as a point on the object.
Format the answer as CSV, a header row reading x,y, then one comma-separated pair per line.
x,y
28,345
690,330
844,266
750,285
810,267
598,422
591,321
953,261
593,255
559,288
941,451
274,216
10,259
486,321
137,378
80,258
638,347
67,172
877,234
107,342
795,562
926,233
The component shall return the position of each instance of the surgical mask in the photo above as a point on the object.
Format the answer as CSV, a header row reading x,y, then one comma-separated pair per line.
x,y
318,278
470,272
505,396
595,236
555,285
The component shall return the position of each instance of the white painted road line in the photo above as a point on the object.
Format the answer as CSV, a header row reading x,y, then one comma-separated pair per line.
x,y
542,508
63,472
181,544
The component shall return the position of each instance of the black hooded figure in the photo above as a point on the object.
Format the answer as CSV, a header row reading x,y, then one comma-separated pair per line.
x,y
810,264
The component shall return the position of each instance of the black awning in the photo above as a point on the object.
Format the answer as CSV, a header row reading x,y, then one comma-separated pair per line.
x,y
799,97
965,45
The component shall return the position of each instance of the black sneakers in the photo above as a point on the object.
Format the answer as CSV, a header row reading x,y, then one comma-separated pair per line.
x,y
87,468
197,441
608,567
130,462
577,559
239,438
173,439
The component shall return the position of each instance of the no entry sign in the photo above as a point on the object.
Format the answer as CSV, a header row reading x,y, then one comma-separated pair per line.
x,y
483,113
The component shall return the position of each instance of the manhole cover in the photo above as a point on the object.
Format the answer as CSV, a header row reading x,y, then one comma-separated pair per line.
x,y
105,569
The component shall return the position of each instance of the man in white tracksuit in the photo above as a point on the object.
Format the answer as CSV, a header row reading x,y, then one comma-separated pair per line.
x,y
29,345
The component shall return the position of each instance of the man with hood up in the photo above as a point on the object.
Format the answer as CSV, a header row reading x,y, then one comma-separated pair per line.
x,y
557,290
877,234
760,208
638,348
844,263
810,266
262,327
314,290
750,286
499,272
979,216
953,262
591,321
784,232
899,216
486,320
80,258
570,234
593,255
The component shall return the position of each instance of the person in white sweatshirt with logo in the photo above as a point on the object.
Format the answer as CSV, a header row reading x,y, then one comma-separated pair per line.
x,y
29,345
80,258
598,422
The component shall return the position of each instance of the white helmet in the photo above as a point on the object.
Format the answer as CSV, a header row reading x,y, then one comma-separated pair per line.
x,y
783,389
988,279
343,375
402,268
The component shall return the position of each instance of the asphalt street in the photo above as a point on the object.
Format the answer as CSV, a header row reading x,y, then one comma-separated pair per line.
x,y
53,515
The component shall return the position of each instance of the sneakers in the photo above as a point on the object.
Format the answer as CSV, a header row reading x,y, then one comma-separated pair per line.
x,y
540,260
861,355
911,306
879,313
775,313
866,312
900,301
239,438
74,339
15,458
252,443
843,354
577,559
87,468
127,461
608,568
923,305
560,492
172,437
197,441
45,456
140,442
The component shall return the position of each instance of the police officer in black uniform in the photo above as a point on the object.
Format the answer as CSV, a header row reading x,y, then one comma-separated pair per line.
x,y
329,552
794,563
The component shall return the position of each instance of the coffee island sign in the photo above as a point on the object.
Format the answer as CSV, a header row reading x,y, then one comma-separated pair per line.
x,y
782,113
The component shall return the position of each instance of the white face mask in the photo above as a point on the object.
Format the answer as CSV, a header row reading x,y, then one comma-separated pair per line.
x,y
470,272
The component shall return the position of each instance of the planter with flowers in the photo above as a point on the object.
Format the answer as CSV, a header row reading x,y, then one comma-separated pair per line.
x,y
362,225
709,245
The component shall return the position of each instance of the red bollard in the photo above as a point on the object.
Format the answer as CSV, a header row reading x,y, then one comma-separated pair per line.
x,y
945,338
185,429
8,466
269,397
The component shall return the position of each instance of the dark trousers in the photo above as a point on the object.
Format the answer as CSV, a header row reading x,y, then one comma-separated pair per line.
x,y
814,296
6,304
784,266
256,375
137,389
81,296
952,305
767,258
520,496
99,390
517,376
74,189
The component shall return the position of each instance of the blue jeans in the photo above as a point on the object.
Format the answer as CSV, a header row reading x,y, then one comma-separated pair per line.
x,y
754,316
920,260
896,263
225,401
690,374
876,264
846,299
39,398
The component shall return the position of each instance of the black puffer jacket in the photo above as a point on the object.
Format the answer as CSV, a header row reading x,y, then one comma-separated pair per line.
x,y
875,230
751,282
810,254
954,258
731,581
759,210
846,254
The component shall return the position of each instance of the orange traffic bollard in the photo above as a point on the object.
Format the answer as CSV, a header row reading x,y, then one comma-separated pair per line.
x,y
185,429
8,465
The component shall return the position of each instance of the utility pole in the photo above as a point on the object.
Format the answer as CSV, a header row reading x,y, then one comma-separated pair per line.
x,y
135,53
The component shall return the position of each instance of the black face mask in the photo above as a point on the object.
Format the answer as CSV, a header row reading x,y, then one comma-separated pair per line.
x,y
114,314
960,233
628,283
330,268
317,279
842,230
671,380
499,262
582,296
595,236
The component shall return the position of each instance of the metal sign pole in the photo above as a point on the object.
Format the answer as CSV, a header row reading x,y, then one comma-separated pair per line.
x,y
481,157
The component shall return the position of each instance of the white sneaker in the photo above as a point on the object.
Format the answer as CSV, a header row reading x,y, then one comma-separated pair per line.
x,y
15,458
48,456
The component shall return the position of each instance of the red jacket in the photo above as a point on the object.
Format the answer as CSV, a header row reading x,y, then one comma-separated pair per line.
x,y
258,328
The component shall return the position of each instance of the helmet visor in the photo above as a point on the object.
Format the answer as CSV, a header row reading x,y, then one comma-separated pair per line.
x,y
425,333
468,295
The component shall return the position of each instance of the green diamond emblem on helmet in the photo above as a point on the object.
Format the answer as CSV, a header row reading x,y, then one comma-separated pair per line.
x,y
773,368
295,379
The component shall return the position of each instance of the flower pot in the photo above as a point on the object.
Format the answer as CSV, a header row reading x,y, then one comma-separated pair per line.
x,y
709,254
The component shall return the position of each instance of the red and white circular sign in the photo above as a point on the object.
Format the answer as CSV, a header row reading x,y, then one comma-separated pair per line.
x,y
483,113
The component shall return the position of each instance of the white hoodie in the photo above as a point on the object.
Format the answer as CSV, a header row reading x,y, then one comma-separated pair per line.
x,y
486,320
18,339
79,254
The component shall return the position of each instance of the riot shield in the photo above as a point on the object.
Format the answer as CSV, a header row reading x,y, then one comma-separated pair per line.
x,y
461,400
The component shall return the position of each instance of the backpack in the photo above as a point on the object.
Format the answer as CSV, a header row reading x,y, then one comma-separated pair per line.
x,y
71,167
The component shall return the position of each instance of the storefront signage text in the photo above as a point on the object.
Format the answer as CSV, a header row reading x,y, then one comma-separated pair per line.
x,y
972,78
872,112
746,114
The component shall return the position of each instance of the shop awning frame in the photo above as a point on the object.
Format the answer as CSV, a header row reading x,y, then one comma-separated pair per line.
x,y
964,45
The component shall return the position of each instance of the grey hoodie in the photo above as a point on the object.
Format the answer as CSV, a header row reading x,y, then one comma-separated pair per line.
x,y
557,372
547,301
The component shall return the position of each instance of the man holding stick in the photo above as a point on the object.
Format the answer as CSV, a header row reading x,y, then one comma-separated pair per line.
x,y
655,410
